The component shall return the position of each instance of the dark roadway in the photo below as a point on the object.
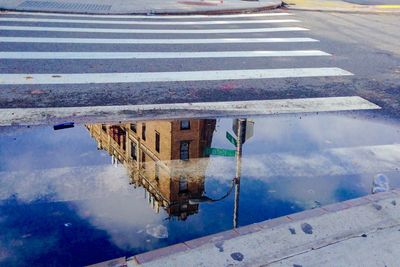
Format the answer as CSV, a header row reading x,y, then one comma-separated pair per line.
x,y
365,45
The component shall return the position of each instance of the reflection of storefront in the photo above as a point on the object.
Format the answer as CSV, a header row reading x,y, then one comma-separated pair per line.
x,y
164,157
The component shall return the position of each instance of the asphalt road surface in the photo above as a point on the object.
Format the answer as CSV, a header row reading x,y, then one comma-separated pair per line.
x,y
55,60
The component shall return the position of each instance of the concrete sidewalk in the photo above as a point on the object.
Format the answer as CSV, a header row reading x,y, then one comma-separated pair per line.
x,y
359,232
339,6
140,6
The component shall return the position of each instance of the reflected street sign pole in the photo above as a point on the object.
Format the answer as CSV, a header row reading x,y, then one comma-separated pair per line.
x,y
241,130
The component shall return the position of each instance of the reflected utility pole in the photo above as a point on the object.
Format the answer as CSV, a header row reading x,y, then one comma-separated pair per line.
x,y
241,132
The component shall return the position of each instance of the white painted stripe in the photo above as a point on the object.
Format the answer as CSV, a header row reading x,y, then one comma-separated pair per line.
x,y
151,16
132,22
110,30
151,41
138,77
128,112
158,55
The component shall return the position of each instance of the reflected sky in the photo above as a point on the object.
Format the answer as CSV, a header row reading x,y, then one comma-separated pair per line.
x,y
67,199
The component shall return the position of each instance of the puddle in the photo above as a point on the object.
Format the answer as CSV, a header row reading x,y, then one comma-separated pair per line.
x,y
95,192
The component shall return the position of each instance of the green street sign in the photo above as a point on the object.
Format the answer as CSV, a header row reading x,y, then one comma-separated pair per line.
x,y
231,139
219,152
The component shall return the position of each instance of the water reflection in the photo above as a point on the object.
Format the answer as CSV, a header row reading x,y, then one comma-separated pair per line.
x,y
166,158
61,201
169,159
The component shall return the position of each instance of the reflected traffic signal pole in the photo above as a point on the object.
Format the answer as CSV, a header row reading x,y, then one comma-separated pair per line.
x,y
241,131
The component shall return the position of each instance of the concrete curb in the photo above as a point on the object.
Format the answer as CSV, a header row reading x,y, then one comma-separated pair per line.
x,y
256,227
156,12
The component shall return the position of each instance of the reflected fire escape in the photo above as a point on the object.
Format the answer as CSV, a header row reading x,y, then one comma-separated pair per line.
x,y
166,158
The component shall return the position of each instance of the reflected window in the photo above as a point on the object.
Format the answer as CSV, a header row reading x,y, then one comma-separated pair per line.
x,y
184,216
184,150
133,151
144,131
143,160
122,137
133,127
183,184
157,172
157,142
185,125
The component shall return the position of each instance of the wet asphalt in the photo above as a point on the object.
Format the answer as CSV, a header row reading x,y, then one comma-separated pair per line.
x,y
362,44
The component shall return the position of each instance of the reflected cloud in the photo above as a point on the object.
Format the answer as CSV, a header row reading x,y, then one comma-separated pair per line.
x,y
63,184
123,217
157,231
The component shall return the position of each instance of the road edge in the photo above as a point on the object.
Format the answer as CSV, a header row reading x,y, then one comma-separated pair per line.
x,y
277,5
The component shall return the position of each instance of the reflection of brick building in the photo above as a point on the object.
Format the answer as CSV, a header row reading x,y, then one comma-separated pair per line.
x,y
165,157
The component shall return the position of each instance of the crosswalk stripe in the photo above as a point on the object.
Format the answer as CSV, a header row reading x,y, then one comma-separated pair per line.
x,y
138,77
279,106
4,39
150,16
158,55
111,30
130,22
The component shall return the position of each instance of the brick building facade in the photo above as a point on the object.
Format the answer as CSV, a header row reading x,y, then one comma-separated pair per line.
x,y
166,158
